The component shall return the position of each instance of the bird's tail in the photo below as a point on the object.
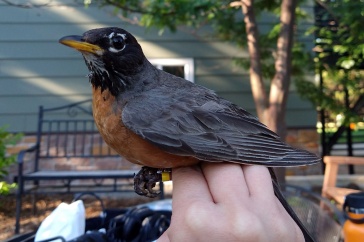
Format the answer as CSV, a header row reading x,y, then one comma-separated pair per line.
x,y
279,195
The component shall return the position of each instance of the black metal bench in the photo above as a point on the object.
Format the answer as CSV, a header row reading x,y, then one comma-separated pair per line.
x,y
68,143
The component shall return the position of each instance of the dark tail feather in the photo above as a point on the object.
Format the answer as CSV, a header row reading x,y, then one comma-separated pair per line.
x,y
288,208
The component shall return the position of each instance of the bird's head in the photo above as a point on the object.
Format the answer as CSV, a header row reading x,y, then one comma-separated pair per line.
x,y
112,55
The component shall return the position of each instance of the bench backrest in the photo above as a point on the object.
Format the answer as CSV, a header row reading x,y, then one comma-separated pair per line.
x,y
69,131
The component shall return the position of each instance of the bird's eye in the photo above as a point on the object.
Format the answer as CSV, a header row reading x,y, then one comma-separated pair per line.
x,y
117,43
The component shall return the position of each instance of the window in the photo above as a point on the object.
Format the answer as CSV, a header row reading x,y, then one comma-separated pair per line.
x,y
179,67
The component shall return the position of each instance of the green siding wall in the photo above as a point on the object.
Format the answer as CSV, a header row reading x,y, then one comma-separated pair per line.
x,y
36,70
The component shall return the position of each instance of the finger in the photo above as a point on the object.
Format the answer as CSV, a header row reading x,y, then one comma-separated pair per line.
x,y
189,187
226,182
259,182
189,184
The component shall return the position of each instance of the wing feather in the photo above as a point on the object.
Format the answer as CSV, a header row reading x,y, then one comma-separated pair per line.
x,y
207,127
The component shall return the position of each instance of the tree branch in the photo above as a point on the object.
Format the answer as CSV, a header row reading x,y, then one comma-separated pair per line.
x,y
328,9
27,5
123,7
136,10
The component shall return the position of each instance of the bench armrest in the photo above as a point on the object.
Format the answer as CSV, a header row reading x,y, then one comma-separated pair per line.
x,y
20,157
329,188
344,160
20,160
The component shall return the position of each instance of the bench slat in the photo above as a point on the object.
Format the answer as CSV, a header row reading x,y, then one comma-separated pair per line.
x,y
329,188
338,193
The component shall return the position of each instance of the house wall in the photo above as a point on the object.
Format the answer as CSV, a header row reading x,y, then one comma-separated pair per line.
x,y
36,70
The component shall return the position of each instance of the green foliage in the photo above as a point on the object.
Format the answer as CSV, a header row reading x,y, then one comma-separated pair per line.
x,y
168,14
340,57
226,22
6,139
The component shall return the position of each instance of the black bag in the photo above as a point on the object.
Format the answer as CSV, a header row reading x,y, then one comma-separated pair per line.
x,y
123,225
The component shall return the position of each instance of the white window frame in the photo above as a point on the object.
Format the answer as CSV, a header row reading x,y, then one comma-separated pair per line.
x,y
187,63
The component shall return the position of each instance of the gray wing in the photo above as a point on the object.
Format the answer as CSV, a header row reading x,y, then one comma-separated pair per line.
x,y
195,122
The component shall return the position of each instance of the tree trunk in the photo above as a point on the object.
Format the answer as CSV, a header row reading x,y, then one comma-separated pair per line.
x,y
255,70
280,84
271,111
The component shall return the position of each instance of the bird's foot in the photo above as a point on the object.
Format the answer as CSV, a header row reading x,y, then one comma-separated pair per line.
x,y
145,180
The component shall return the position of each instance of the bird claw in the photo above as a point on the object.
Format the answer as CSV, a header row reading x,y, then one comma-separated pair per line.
x,y
145,180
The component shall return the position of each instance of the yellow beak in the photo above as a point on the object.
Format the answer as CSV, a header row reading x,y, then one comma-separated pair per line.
x,y
79,44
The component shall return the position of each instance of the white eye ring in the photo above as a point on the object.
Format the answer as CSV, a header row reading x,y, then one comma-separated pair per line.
x,y
111,36
118,34
112,49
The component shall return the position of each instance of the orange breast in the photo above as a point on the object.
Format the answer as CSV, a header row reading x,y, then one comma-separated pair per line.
x,y
107,115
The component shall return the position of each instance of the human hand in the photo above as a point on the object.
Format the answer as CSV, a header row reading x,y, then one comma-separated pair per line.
x,y
227,202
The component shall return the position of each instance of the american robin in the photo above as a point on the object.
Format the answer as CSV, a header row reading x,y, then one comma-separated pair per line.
x,y
159,120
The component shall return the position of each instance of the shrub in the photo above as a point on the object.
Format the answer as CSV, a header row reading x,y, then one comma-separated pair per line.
x,y
6,160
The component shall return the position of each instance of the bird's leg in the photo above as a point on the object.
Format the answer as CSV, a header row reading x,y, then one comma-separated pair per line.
x,y
145,180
